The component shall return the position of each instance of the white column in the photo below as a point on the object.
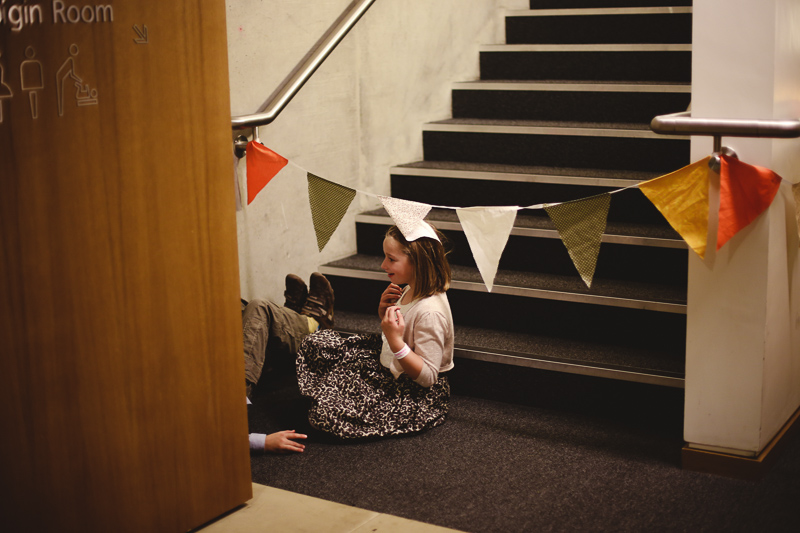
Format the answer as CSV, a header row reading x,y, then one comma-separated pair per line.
x,y
743,338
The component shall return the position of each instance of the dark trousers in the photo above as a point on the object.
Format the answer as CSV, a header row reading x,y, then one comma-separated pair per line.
x,y
270,331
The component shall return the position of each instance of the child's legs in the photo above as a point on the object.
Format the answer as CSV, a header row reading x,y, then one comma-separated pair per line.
x,y
268,327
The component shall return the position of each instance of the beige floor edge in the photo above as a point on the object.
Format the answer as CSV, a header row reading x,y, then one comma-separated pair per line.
x,y
273,509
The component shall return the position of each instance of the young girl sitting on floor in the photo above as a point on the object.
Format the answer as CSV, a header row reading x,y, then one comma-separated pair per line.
x,y
369,385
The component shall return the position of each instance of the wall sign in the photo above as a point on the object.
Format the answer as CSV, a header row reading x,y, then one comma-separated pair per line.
x,y
18,16
63,76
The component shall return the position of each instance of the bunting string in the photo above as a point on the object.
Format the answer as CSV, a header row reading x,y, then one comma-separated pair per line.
x,y
681,197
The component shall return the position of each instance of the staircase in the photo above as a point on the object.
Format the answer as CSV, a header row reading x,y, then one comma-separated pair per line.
x,y
561,112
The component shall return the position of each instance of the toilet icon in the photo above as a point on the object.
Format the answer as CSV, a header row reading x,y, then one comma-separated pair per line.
x,y
32,79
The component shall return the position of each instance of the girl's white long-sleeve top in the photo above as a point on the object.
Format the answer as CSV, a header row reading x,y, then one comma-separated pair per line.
x,y
429,333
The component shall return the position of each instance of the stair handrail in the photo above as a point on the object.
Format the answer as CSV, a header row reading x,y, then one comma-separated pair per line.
x,y
684,123
290,86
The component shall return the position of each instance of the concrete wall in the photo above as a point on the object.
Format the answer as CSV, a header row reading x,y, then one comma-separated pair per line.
x,y
361,113
743,339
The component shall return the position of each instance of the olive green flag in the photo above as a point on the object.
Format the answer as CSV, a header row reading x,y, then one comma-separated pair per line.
x,y
581,224
329,202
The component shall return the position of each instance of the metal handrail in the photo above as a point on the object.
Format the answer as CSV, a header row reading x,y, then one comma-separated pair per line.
x,y
272,107
684,124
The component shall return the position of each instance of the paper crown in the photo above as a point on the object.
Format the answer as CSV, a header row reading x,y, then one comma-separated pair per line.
x,y
418,230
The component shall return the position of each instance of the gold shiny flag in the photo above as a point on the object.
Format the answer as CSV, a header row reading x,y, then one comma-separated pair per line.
x,y
682,197
329,202
581,224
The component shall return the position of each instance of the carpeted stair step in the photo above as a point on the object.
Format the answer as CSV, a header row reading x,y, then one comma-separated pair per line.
x,y
599,62
629,252
527,224
592,177
655,25
554,144
629,206
566,355
557,322
622,313
618,103
565,4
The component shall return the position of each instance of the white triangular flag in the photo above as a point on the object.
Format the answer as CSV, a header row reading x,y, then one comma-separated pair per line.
x,y
407,215
487,230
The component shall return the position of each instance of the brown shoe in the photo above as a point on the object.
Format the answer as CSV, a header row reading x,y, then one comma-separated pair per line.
x,y
319,304
296,293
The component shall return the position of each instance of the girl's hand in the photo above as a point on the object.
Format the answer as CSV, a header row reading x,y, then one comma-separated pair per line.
x,y
283,442
389,297
393,325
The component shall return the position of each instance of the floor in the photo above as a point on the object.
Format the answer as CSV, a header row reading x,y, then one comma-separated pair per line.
x,y
274,509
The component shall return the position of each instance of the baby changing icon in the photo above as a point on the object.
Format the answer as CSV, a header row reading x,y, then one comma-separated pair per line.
x,y
84,94
5,90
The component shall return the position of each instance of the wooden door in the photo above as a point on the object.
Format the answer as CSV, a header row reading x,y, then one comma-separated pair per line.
x,y
121,375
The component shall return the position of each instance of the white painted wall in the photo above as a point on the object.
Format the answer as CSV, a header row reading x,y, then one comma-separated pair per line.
x,y
743,338
361,113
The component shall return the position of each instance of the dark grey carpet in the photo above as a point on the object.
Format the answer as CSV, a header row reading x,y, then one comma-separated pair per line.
x,y
569,454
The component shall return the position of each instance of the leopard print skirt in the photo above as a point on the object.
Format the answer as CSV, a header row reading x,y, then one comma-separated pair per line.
x,y
354,396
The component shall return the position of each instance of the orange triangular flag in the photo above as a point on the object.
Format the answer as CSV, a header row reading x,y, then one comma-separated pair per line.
x,y
262,165
682,197
745,191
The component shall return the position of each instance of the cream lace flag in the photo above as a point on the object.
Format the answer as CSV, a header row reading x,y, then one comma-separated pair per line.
x,y
406,214
329,202
581,224
487,230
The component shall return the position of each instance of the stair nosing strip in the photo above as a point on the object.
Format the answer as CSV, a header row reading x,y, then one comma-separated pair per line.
x,y
645,305
669,47
655,10
549,130
512,177
482,354
571,87
541,233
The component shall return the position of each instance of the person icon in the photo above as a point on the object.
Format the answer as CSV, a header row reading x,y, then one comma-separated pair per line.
x,y
5,90
32,79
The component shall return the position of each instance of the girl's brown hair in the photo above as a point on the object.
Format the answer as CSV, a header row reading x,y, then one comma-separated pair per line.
x,y
429,258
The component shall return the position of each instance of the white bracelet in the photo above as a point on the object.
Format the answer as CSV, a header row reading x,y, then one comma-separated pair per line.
x,y
404,351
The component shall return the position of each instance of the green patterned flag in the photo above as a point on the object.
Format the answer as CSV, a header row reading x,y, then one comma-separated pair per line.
x,y
581,224
329,202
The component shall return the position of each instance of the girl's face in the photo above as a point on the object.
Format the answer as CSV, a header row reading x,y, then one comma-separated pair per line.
x,y
396,263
